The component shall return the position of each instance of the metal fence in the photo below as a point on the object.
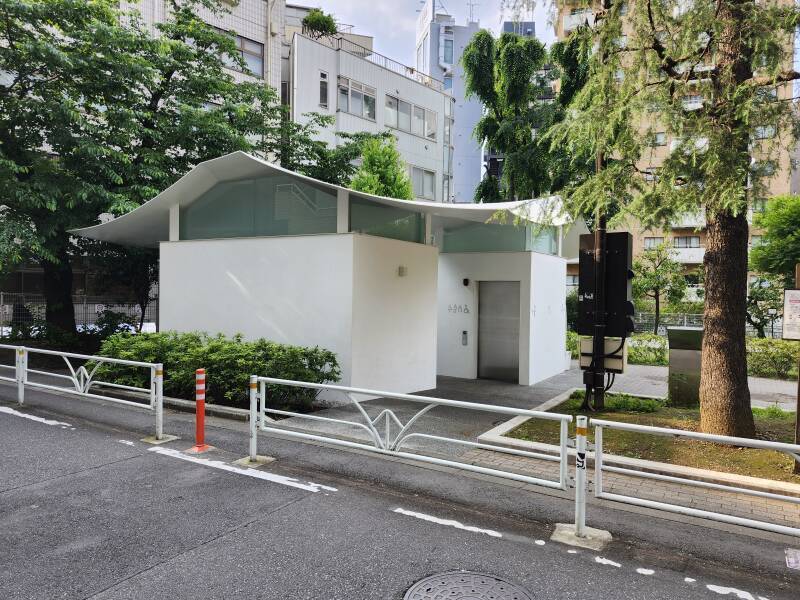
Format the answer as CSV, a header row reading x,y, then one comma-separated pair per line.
x,y
79,379
386,434
24,310
644,323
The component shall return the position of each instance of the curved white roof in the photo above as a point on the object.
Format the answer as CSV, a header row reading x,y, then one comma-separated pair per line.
x,y
149,224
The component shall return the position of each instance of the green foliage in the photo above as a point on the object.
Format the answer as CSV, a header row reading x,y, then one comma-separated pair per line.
x,y
572,310
382,171
317,24
507,75
648,349
658,277
764,294
615,403
772,358
573,344
488,190
779,251
229,362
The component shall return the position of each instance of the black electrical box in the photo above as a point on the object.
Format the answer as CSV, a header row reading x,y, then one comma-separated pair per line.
x,y
618,295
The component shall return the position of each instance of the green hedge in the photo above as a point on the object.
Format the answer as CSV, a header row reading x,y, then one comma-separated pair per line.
x,y
776,359
229,362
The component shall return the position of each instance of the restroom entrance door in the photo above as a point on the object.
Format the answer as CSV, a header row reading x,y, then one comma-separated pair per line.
x,y
498,330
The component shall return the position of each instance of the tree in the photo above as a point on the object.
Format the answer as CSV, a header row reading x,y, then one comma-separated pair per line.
x,y
779,250
702,73
508,76
317,24
488,190
764,294
382,171
658,277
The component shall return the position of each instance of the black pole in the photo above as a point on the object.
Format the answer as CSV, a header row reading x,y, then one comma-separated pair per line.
x,y
598,341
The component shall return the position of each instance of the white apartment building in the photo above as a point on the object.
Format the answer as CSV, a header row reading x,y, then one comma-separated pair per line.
x,y
439,45
365,91
256,24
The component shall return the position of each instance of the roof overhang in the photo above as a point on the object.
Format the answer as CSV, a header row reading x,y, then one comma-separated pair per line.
x,y
149,224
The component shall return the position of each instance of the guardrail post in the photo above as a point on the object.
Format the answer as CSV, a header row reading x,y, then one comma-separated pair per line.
x,y
253,418
21,373
158,382
580,476
200,412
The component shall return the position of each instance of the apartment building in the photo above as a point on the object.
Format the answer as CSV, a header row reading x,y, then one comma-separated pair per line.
x,y
366,91
686,234
439,46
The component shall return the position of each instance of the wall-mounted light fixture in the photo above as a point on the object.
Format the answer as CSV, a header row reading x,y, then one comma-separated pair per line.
x,y
466,282
402,271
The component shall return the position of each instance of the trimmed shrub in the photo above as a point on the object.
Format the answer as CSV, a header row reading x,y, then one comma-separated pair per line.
x,y
772,358
648,349
229,362
572,344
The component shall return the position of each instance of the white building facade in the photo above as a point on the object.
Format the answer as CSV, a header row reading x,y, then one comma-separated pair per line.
x,y
439,46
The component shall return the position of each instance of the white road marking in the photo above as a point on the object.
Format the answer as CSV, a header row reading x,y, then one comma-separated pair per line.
x,y
126,442
689,580
641,571
448,522
255,473
793,558
539,542
604,561
16,413
572,551
726,591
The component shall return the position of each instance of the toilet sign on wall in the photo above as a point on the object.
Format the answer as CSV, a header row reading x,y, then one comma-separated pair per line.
x,y
791,314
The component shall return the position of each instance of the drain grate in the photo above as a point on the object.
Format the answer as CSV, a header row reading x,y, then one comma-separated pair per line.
x,y
466,585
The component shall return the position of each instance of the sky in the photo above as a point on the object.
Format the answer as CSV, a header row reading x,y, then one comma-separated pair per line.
x,y
393,22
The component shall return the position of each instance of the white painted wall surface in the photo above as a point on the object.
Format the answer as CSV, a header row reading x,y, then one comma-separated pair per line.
x,y
394,318
541,293
296,290
548,329
341,292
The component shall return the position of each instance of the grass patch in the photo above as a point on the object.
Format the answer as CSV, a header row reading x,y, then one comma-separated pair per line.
x,y
771,424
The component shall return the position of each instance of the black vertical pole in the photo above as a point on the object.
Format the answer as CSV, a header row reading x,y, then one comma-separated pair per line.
x,y
598,341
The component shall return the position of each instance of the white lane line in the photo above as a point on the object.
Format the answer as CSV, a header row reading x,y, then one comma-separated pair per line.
x,y
126,442
16,413
642,571
604,561
726,591
255,473
539,542
572,551
689,580
448,522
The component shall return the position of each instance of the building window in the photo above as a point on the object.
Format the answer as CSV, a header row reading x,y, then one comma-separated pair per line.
x,y
687,241
411,118
659,139
623,9
356,98
448,52
251,51
652,242
755,241
572,281
764,132
759,205
323,89
423,182
448,82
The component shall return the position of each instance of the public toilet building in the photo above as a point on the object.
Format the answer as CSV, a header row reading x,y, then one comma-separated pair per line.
x,y
400,290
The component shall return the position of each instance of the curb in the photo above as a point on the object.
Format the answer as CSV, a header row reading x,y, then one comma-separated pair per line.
x,y
497,436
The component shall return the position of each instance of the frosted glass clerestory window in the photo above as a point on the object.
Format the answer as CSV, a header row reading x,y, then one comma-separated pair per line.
x,y
266,206
386,221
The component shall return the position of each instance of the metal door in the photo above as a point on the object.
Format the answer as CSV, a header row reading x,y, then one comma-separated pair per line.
x,y
498,330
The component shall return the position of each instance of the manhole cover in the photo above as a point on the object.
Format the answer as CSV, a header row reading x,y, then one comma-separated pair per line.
x,y
465,585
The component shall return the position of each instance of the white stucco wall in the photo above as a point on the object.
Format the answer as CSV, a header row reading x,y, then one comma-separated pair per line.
x,y
394,317
541,293
341,292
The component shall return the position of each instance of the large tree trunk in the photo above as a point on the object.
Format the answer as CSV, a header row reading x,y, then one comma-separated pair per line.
x,y
724,395
60,311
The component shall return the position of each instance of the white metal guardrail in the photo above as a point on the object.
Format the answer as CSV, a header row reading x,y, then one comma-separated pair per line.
x,y
394,435
600,425
81,380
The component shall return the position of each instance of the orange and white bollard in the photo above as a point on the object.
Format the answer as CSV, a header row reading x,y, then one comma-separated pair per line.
x,y
200,415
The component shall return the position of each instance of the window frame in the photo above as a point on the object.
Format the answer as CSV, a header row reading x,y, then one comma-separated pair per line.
x,y
362,91
324,81
423,172
429,123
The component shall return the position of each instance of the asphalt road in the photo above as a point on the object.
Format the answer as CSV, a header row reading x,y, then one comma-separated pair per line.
x,y
87,510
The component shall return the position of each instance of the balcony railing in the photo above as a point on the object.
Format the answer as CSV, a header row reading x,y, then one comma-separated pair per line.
x,y
689,221
691,256
339,43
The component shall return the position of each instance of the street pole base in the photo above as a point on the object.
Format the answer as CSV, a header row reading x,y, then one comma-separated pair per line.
x,y
199,448
594,539
165,439
259,461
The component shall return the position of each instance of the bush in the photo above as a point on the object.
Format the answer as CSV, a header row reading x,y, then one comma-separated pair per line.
x,y
772,358
648,349
572,344
229,362
616,403
572,311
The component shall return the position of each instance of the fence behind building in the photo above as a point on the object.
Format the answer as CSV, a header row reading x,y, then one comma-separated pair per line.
x,y
644,323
